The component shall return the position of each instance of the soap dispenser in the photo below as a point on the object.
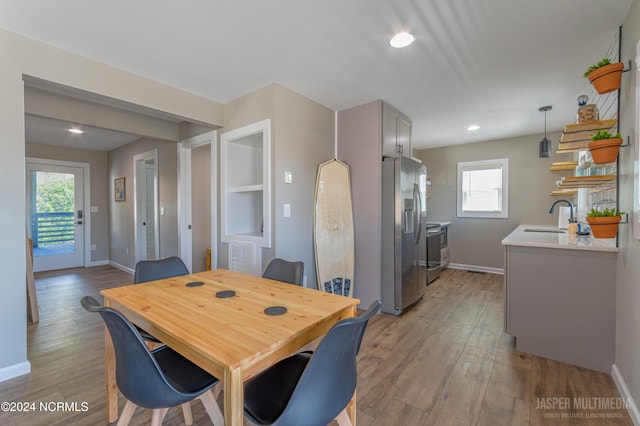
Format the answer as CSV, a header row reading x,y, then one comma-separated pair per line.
x,y
572,228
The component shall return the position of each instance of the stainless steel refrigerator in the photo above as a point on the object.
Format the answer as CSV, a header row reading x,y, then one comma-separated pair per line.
x,y
403,217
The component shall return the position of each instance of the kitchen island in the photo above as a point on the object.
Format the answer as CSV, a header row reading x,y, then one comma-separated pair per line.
x,y
560,294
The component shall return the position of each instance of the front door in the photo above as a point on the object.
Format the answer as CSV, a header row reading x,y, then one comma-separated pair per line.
x,y
55,215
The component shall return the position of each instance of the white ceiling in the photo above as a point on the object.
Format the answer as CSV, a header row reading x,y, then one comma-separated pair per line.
x,y
489,62
55,132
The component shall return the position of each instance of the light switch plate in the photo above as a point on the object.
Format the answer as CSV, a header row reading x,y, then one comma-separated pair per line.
x,y
288,177
286,211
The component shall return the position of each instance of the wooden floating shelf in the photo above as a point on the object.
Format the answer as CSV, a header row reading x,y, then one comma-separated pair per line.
x,y
576,136
563,166
564,192
572,146
585,181
590,125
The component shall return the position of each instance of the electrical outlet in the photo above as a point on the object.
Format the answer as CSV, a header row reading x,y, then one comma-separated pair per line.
x,y
93,247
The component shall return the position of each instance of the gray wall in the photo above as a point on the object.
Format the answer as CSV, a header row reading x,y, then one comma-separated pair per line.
x,y
302,137
476,242
121,230
628,283
99,189
20,57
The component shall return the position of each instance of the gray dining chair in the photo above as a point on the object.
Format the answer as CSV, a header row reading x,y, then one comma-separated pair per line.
x,y
310,388
152,270
285,271
157,379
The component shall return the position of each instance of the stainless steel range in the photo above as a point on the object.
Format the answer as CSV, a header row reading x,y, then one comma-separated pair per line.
x,y
434,233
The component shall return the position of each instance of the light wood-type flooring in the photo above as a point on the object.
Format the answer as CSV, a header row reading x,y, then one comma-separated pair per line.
x,y
444,362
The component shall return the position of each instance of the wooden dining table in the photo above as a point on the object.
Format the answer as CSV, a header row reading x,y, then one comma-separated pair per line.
x,y
232,337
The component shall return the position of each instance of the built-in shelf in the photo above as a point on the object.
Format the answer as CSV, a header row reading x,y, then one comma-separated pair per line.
x,y
245,170
246,188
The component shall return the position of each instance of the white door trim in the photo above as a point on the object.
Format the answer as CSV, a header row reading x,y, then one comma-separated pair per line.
x,y
184,195
86,198
137,160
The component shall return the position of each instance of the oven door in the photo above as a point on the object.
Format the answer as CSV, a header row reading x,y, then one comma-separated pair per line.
x,y
433,253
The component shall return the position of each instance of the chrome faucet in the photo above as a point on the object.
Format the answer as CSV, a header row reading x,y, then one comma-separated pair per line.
x,y
571,218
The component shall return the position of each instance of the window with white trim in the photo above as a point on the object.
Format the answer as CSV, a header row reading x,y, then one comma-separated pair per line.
x,y
483,188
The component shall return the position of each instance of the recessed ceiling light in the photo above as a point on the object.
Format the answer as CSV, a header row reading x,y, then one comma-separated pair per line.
x,y
473,127
401,40
76,131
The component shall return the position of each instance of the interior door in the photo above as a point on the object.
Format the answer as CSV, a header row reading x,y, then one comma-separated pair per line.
x,y
55,215
146,206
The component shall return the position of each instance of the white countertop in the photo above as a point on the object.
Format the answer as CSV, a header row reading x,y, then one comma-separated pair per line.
x,y
520,237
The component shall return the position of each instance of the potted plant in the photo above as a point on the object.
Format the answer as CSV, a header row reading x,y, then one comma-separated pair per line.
x,y
605,76
604,223
604,147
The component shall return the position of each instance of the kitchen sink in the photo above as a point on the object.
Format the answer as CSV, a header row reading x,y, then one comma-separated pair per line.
x,y
550,230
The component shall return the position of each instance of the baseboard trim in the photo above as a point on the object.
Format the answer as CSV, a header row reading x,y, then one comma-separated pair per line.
x,y
15,370
121,267
626,395
476,268
98,263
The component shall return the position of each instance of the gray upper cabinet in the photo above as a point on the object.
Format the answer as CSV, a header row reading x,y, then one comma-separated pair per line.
x,y
396,132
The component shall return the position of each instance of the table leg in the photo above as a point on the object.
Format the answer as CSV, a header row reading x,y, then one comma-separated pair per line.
x,y
110,371
233,397
351,409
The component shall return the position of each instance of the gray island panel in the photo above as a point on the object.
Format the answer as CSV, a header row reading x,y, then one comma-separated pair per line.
x,y
560,303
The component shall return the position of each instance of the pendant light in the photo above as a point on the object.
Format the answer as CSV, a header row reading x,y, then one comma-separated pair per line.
x,y
544,150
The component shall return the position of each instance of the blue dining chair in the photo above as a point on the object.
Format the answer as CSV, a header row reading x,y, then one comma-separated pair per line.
x,y
157,379
310,388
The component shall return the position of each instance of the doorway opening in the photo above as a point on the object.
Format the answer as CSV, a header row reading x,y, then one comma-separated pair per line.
x,y
197,206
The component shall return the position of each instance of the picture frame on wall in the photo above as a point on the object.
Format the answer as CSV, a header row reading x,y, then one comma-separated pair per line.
x,y
119,189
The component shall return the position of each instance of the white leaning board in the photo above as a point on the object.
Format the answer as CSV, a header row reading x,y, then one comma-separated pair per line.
x,y
333,229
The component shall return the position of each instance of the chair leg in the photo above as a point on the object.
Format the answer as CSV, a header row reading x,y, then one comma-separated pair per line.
x,y
127,413
343,419
186,411
157,415
212,408
217,389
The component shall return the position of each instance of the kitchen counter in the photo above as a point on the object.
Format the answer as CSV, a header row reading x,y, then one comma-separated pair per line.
x,y
560,297
555,240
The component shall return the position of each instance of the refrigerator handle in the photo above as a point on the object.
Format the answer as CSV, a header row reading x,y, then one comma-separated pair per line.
x,y
417,209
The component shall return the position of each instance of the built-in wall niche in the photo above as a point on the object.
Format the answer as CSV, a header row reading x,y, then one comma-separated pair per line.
x,y
246,185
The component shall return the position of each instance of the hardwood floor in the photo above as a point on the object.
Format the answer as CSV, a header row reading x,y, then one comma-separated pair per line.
x,y
445,362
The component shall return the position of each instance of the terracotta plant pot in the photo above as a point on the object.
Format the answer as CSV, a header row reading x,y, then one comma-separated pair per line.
x,y
604,226
605,150
606,79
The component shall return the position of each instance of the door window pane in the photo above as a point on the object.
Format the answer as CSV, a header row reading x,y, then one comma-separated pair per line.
x,y
52,213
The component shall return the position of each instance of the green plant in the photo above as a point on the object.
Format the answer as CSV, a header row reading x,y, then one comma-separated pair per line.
x,y
603,134
604,213
600,64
